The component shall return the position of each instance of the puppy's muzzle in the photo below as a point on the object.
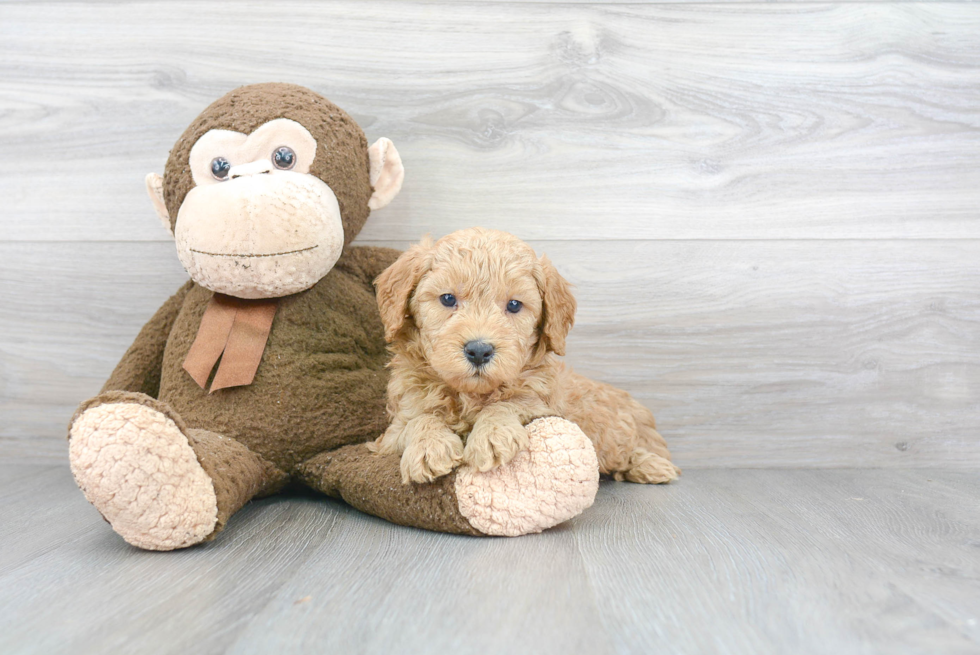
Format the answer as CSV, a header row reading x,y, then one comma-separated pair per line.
x,y
478,353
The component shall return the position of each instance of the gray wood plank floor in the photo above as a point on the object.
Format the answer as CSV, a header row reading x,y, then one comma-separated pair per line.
x,y
725,561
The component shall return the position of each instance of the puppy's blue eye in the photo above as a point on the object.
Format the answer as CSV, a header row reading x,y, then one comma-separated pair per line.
x,y
514,306
448,299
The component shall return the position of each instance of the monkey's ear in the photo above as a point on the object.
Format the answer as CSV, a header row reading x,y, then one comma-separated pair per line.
x,y
387,173
154,187
558,312
395,285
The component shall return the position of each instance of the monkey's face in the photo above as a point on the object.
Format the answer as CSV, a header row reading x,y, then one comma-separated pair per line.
x,y
257,224
267,186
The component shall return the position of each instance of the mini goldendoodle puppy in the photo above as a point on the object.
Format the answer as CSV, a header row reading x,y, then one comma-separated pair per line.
x,y
476,322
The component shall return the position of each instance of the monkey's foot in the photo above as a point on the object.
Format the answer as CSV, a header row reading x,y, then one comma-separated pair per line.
x,y
135,465
553,480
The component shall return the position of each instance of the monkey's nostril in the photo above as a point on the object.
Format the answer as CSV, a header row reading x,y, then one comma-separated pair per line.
x,y
478,352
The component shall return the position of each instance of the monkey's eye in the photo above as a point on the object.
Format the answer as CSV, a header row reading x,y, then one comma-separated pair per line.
x,y
448,300
514,306
284,158
219,168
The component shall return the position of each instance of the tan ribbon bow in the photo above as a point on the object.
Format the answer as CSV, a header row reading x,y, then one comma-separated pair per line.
x,y
239,329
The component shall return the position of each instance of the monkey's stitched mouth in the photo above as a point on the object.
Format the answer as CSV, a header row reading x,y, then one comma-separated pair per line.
x,y
274,254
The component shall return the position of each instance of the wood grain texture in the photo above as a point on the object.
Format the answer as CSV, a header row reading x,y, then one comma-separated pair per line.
x,y
787,561
770,209
569,121
727,562
804,353
770,213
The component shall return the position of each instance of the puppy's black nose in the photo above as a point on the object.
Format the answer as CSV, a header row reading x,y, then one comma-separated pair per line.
x,y
478,352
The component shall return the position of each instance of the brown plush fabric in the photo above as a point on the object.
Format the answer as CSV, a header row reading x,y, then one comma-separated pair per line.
x,y
139,369
135,397
237,473
366,263
341,156
321,383
372,483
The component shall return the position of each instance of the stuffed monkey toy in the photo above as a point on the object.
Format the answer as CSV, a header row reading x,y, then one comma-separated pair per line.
x,y
267,368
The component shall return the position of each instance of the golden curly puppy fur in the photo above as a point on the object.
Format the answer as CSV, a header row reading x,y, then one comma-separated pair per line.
x,y
476,322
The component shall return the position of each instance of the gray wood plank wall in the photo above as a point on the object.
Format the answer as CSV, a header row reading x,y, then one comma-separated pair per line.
x,y
771,211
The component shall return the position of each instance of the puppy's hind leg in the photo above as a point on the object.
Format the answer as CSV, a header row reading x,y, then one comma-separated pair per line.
x,y
645,467
649,463
623,431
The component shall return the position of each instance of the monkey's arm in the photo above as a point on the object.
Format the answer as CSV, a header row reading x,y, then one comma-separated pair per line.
x,y
140,368
367,262
554,480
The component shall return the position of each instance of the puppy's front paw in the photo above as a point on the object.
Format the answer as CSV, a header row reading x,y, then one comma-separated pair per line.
x,y
493,443
431,455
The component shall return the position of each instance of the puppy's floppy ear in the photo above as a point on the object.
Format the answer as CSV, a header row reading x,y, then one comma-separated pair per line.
x,y
558,306
395,285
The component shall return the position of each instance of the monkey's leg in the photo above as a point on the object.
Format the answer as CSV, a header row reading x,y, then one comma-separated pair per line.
x,y
555,479
159,484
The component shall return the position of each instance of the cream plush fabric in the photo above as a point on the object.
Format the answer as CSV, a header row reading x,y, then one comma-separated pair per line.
x,y
555,479
135,465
